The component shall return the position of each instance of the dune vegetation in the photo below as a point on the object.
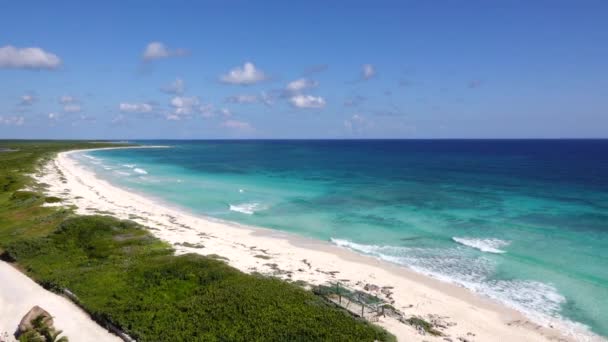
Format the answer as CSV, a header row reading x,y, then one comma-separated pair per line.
x,y
122,275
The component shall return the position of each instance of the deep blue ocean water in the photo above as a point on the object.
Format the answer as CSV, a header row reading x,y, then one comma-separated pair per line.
x,y
521,221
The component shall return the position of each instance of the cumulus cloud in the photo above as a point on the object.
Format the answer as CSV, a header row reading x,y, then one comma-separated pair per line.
x,y
307,101
158,50
301,85
27,58
135,107
236,124
368,71
176,87
245,75
27,100
12,120
183,107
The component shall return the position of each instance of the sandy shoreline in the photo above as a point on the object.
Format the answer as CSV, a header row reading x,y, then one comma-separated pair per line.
x,y
465,315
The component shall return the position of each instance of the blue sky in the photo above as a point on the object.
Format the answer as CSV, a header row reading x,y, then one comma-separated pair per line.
x,y
315,69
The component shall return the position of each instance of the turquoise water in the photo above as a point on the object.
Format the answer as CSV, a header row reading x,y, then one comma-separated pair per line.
x,y
524,222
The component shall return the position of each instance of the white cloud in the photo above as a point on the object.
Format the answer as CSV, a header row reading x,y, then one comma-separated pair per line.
x,y
53,116
135,107
27,58
236,124
183,107
368,71
176,87
307,101
27,100
301,84
158,50
246,75
12,120
185,103
242,99
72,108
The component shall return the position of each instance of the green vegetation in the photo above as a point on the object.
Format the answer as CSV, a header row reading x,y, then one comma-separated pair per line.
x,y
427,327
22,215
41,331
123,275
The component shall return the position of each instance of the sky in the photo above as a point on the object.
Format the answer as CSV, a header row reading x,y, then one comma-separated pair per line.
x,y
303,69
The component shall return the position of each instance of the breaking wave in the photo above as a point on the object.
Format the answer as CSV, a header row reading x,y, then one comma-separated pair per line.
x,y
247,208
484,245
541,302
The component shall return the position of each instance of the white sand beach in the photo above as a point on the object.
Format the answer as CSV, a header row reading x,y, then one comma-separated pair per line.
x,y
466,316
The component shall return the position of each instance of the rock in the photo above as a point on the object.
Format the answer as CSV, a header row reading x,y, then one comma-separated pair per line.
x,y
371,287
26,321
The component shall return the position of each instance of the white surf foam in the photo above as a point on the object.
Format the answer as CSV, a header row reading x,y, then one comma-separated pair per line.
x,y
140,171
484,245
538,301
247,208
130,166
90,157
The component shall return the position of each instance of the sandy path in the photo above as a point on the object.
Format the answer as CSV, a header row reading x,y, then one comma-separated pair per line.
x,y
18,294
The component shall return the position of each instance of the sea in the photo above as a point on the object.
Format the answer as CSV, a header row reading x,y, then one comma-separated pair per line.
x,y
524,222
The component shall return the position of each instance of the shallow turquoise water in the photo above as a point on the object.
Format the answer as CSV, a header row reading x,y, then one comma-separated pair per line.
x,y
524,222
